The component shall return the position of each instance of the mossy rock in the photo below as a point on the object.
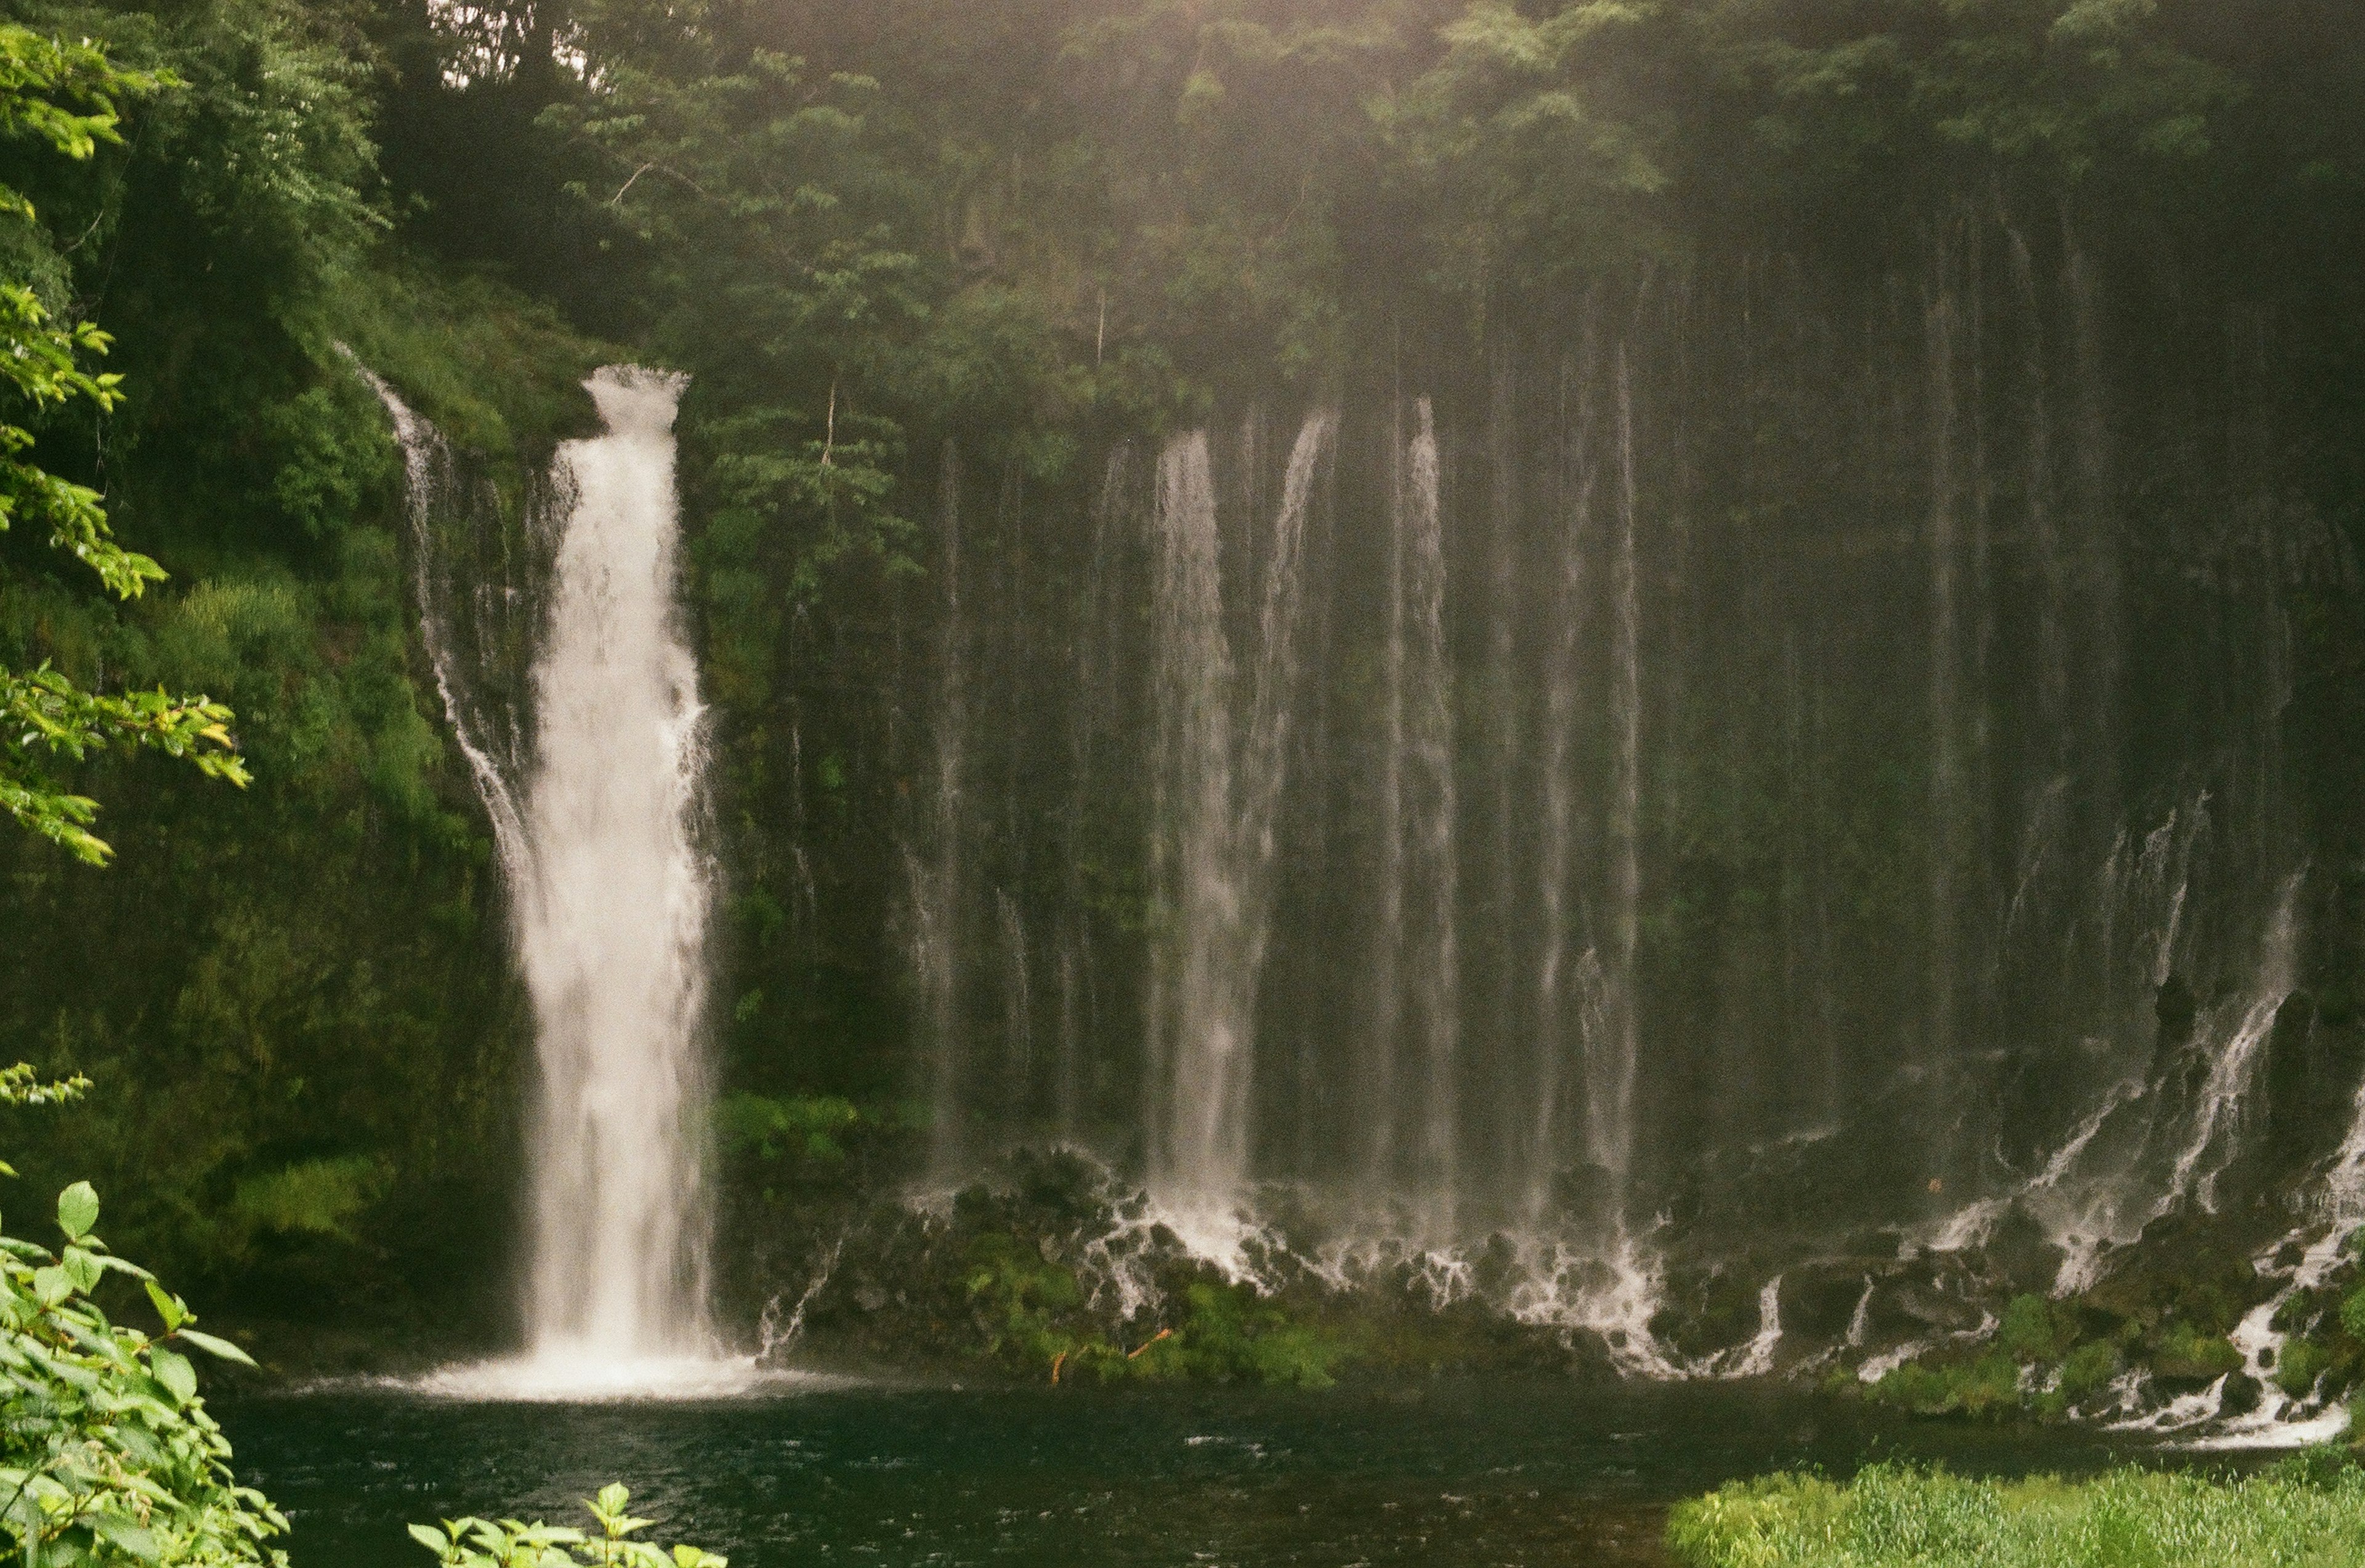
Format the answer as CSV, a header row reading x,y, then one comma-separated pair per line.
x,y
2185,1353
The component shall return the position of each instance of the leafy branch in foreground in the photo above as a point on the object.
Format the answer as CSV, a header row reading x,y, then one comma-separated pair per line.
x,y
65,95
108,1455
482,1543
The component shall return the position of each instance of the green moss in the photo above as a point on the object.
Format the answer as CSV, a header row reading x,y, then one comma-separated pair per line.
x,y
2087,1370
811,1127
2302,1362
2352,1313
2034,1330
1987,1386
2184,1350
499,372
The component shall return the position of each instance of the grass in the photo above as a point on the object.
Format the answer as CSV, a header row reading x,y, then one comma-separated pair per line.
x,y
2308,1512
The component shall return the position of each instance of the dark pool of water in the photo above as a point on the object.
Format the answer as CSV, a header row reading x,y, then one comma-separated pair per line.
x,y
1445,1476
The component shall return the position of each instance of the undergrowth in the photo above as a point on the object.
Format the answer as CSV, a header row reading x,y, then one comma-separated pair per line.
x,y
2309,1509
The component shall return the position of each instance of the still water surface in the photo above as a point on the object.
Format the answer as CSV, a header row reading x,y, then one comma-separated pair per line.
x,y
1445,1476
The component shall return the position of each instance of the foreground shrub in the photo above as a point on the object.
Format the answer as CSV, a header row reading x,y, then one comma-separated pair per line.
x,y
484,1543
108,1455
2305,1511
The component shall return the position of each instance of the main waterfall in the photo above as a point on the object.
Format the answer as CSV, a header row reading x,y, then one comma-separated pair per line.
x,y
593,791
614,927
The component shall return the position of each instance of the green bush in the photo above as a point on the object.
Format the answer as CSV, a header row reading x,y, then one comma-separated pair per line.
x,y
2087,1371
317,1197
811,1126
1987,1386
108,1453
2352,1313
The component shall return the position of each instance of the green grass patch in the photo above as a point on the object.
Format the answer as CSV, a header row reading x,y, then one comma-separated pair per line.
x,y
2307,1511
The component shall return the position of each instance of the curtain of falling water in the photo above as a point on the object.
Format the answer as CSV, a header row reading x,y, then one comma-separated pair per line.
x,y
1220,783
1767,676
613,933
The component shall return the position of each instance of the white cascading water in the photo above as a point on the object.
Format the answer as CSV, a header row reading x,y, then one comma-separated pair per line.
x,y
1613,1056
610,897
1213,869
1560,988
613,936
1435,977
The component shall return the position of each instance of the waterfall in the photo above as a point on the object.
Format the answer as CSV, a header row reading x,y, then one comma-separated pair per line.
x,y
1557,1025
1429,854
1613,1056
1017,1004
613,940
430,484
1947,805
1414,1148
1219,787
2176,1139
1509,1085
610,895
933,887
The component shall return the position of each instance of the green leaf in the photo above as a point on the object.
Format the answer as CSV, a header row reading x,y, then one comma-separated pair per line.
x,y
83,1268
214,1345
127,1534
52,1285
77,1210
168,1307
434,1540
173,1370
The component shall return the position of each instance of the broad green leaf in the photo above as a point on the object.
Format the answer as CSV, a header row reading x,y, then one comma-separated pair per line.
x,y
216,1346
173,1370
83,1268
77,1210
128,1535
168,1307
434,1540
52,1285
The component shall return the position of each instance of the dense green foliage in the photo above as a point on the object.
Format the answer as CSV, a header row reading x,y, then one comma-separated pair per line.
x,y
64,94
2308,1509
110,1456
